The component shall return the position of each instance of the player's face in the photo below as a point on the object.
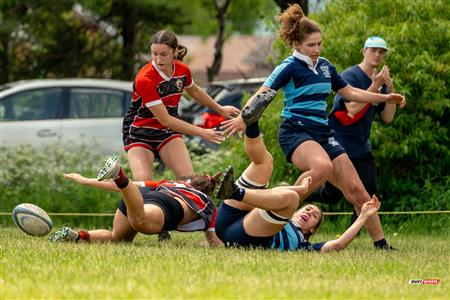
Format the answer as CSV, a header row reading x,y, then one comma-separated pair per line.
x,y
374,56
308,217
311,46
162,55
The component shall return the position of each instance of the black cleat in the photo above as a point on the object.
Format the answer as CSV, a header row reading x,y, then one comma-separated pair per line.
x,y
227,186
164,236
387,247
253,113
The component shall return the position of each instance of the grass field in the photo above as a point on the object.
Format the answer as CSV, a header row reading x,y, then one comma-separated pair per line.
x,y
34,268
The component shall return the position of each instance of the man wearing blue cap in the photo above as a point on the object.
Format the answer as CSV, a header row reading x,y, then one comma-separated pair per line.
x,y
352,121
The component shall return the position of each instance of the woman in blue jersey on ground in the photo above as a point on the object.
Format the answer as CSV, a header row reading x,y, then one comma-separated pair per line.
x,y
251,216
304,135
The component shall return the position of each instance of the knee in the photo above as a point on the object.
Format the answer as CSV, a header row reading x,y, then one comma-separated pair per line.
x,y
291,200
321,171
358,196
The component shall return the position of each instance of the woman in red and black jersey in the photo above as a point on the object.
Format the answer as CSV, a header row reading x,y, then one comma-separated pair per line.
x,y
152,126
150,207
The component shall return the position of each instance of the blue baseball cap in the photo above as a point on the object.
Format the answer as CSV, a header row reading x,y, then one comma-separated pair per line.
x,y
376,42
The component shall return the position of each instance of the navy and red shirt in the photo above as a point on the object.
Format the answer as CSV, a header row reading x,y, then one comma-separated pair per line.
x,y
199,202
353,132
152,87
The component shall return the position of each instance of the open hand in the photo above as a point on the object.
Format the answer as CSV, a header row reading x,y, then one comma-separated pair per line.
x,y
76,177
370,207
233,126
213,135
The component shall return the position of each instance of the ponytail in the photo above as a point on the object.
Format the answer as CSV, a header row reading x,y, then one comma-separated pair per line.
x,y
180,52
204,183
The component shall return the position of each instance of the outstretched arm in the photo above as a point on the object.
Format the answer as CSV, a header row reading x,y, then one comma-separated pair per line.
x,y
368,209
203,98
359,95
104,185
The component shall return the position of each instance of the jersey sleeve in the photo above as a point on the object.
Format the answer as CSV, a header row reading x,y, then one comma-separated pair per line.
x,y
279,77
337,82
148,91
189,80
212,224
307,246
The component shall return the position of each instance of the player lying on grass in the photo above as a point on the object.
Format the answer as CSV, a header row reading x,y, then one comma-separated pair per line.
x,y
150,207
251,216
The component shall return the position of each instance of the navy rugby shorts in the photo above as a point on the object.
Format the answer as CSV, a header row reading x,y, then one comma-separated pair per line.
x,y
292,134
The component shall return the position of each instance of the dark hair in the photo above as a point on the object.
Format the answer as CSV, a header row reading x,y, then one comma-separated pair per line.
x,y
309,234
295,26
170,39
204,183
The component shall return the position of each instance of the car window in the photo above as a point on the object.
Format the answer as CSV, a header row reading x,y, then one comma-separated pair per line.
x,y
40,104
95,103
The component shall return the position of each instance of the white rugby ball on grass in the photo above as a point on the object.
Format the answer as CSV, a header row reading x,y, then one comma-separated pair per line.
x,y
32,219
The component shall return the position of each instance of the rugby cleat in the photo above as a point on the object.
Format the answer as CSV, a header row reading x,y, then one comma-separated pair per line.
x,y
65,234
110,170
254,111
227,186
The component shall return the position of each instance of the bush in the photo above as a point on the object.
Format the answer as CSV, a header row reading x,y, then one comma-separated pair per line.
x,y
35,176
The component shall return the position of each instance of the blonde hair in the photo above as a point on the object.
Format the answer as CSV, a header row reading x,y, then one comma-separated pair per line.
x,y
295,26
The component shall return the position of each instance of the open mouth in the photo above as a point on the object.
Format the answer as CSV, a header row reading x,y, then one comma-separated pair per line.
x,y
305,218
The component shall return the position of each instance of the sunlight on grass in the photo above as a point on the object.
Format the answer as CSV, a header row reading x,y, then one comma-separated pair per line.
x,y
35,268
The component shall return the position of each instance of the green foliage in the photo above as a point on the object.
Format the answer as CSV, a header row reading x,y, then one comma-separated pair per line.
x,y
36,176
181,269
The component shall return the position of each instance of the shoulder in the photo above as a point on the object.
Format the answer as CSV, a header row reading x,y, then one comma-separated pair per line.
x,y
181,66
325,62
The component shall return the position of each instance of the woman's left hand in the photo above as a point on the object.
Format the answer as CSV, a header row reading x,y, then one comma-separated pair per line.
x,y
229,111
230,127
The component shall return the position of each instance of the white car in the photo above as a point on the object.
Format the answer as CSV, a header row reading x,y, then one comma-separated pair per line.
x,y
88,111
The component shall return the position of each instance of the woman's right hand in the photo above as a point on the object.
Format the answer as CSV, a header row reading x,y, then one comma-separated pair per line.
x,y
213,135
232,126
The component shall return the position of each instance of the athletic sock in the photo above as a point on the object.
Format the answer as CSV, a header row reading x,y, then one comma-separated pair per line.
x,y
84,235
238,194
252,131
381,243
121,180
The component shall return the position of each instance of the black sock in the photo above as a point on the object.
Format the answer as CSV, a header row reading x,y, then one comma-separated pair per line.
x,y
252,130
381,243
122,180
238,194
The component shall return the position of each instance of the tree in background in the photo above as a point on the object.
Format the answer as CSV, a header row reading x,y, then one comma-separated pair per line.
x,y
106,38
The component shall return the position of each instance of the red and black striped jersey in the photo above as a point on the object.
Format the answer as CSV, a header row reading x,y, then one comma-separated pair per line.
x,y
199,202
152,87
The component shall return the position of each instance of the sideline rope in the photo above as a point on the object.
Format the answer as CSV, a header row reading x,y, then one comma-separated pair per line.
x,y
78,214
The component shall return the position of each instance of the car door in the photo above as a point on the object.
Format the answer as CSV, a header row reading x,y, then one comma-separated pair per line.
x,y
94,117
31,117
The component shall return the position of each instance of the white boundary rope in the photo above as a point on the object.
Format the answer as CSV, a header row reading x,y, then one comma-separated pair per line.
x,y
78,214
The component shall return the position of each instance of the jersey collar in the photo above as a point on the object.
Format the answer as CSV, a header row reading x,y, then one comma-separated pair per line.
x,y
163,75
307,60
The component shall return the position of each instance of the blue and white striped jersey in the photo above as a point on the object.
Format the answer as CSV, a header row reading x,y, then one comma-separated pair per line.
x,y
306,88
291,238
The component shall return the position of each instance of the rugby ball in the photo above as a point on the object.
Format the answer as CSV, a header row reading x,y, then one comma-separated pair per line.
x,y
32,219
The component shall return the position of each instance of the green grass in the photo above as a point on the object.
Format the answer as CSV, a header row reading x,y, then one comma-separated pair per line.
x,y
144,269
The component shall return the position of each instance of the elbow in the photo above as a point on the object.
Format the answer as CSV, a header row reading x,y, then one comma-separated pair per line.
x,y
165,121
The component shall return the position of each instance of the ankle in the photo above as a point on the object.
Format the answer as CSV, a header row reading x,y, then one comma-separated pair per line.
x,y
121,180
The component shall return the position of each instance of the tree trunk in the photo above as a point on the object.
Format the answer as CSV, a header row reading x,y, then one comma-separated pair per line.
x,y
283,4
4,61
221,7
128,28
